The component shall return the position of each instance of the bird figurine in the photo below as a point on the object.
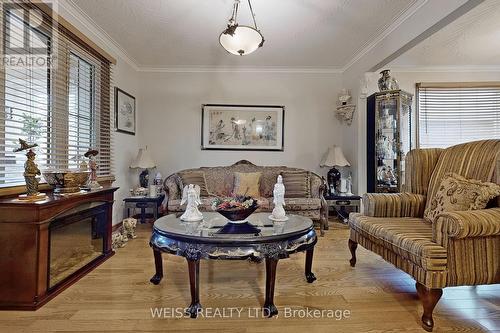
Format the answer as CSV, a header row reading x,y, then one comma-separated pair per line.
x,y
25,145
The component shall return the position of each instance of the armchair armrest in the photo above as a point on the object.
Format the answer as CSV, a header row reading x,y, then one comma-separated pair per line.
x,y
394,204
463,224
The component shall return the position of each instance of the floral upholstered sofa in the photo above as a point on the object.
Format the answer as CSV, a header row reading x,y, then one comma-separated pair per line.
x,y
220,182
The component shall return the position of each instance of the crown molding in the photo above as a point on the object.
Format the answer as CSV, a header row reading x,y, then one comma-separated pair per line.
x,y
399,20
103,38
244,69
445,69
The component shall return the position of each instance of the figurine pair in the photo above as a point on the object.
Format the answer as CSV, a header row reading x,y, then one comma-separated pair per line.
x,y
191,196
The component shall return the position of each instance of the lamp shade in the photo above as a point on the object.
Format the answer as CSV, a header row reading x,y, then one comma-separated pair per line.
x,y
143,160
334,157
244,40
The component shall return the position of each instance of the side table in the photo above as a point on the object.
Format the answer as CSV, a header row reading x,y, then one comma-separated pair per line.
x,y
143,202
340,203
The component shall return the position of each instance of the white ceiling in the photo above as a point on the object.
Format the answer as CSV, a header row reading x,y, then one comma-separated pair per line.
x,y
298,33
471,40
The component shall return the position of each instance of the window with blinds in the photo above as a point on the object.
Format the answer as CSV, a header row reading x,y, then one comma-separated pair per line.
x,y
450,114
62,104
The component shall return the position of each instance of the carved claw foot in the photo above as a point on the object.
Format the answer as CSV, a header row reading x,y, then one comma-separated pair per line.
x,y
270,310
310,277
156,279
193,310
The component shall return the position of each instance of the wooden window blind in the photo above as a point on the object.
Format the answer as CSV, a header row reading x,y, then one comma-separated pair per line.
x,y
63,105
453,113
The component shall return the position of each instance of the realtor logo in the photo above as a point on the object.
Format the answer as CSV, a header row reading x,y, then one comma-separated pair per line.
x,y
27,35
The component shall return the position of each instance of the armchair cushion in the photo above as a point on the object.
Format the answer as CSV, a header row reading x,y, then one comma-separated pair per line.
x,y
394,204
473,223
457,193
409,238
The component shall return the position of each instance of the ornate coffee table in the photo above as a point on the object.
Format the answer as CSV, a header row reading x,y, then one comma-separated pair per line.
x,y
199,240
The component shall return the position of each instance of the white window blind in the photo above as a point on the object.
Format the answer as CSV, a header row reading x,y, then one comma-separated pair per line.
x,y
450,114
63,107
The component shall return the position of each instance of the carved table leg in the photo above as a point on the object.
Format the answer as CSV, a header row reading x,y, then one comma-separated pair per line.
x,y
194,283
429,298
352,247
269,307
158,266
309,259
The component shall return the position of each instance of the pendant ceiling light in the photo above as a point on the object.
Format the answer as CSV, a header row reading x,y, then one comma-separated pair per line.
x,y
241,39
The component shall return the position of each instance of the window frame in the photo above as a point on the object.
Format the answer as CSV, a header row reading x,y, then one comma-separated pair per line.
x,y
444,85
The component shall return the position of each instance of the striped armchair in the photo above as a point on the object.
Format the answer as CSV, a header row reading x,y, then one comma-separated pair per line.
x,y
459,248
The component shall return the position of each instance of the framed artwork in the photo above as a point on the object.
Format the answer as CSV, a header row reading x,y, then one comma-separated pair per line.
x,y
242,127
124,112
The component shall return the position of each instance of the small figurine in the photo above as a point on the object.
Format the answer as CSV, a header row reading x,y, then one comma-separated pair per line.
x,y
279,213
31,172
191,195
118,240
91,154
129,225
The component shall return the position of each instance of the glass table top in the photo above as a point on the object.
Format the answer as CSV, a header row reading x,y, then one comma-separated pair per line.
x,y
212,222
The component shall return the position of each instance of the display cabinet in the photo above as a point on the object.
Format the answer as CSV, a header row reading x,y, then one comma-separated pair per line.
x,y
389,139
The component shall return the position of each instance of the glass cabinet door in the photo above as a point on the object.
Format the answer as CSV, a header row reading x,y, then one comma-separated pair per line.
x,y
386,143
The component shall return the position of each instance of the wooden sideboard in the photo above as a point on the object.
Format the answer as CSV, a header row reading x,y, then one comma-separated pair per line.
x,y
25,241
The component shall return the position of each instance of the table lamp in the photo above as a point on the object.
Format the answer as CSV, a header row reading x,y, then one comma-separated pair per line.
x,y
334,157
143,161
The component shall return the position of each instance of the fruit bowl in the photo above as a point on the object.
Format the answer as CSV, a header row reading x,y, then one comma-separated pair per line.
x,y
66,181
237,215
236,210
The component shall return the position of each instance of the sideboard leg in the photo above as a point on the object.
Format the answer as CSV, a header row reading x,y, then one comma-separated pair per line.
x,y
194,283
158,267
269,307
309,260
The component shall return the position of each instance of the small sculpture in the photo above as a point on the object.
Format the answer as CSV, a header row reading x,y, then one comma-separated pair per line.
x,y
31,172
118,240
279,213
191,195
91,154
387,82
129,225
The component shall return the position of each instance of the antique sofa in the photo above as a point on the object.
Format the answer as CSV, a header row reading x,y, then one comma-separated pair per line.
x,y
459,247
220,180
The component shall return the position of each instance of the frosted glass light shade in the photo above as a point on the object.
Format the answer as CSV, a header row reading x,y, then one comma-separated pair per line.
x,y
334,157
143,160
245,40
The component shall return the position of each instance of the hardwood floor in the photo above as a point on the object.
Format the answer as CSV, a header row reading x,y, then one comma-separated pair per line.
x,y
118,297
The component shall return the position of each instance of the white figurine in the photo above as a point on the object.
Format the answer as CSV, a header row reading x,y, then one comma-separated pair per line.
x,y
191,195
278,213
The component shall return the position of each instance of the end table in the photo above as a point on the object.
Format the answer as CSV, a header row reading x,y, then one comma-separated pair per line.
x,y
340,202
143,202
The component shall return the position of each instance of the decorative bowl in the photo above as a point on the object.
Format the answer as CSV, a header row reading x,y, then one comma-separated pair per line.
x,y
238,215
66,181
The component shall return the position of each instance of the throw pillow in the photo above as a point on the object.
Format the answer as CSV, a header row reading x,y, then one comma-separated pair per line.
x,y
457,193
297,184
195,178
247,183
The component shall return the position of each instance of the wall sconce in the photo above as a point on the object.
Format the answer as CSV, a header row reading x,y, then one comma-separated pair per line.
x,y
345,111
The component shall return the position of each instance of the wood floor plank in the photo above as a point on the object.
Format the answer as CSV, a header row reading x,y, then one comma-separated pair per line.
x,y
117,296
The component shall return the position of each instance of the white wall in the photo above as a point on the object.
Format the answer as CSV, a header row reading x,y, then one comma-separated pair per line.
x,y
125,146
171,116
